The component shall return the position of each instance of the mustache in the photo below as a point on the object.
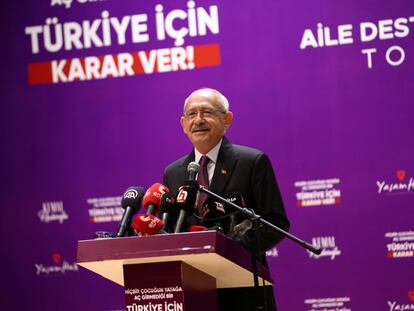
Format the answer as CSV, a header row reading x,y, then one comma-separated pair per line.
x,y
199,128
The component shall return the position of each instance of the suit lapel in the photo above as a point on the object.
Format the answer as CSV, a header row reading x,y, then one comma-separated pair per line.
x,y
224,167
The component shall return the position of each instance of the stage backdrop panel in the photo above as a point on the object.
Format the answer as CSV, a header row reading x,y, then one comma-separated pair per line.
x,y
91,96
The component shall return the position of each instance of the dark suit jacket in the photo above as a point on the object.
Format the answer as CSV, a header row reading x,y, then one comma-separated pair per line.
x,y
249,171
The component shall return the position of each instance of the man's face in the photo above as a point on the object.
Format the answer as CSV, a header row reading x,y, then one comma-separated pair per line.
x,y
204,120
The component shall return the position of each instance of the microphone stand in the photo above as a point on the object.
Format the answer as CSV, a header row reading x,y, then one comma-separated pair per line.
x,y
256,218
253,250
258,221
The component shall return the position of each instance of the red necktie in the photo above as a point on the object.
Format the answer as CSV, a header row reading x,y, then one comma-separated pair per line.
x,y
202,179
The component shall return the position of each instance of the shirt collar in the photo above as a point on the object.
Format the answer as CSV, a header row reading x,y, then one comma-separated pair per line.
x,y
212,154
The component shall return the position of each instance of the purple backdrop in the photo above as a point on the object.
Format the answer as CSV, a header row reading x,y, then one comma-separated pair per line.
x,y
324,88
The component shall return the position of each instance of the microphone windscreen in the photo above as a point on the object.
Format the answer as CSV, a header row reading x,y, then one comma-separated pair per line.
x,y
192,169
213,209
167,204
195,228
147,224
132,197
153,196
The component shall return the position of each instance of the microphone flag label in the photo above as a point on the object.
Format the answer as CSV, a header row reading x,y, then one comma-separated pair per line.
x,y
182,196
131,194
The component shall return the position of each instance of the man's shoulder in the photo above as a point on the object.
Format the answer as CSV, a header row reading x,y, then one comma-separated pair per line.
x,y
241,151
177,163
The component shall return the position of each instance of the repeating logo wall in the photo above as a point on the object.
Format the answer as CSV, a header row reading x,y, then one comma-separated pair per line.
x,y
401,244
406,305
52,212
318,192
328,246
107,209
56,266
328,304
273,252
324,88
403,184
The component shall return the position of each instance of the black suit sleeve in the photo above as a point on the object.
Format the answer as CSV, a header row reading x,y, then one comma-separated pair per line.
x,y
268,203
165,180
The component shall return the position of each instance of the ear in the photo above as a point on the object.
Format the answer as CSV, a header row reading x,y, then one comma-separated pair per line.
x,y
183,122
228,118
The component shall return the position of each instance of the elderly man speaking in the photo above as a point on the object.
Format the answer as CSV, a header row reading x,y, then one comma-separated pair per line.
x,y
226,167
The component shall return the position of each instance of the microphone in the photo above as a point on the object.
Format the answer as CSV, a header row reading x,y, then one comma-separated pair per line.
x,y
131,202
212,209
242,228
237,198
152,198
186,198
212,214
167,209
221,215
192,169
147,225
219,209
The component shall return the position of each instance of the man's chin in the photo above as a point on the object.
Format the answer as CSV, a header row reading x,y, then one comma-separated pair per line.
x,y
200,138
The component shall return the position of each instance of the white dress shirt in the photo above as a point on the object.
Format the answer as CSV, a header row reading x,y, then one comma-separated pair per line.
x,y
212,155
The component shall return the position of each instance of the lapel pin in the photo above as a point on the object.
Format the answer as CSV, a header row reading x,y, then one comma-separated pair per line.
x,y
223,171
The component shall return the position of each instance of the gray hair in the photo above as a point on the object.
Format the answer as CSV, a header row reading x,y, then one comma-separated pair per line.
x,y
222,99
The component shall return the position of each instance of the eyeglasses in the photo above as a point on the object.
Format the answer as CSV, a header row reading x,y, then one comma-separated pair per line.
x,y
206,114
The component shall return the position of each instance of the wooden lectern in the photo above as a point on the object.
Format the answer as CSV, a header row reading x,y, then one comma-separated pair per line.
x,y
171,272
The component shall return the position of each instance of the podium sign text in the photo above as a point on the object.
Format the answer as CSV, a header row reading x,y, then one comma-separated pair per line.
x,y
168,286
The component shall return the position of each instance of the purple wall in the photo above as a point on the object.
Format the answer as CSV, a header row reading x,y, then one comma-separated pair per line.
x,y
335,120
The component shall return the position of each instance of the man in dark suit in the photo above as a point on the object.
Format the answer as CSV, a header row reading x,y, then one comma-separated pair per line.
x,y
227,167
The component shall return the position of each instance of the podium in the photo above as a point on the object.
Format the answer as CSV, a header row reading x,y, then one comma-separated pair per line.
x,y
171,272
